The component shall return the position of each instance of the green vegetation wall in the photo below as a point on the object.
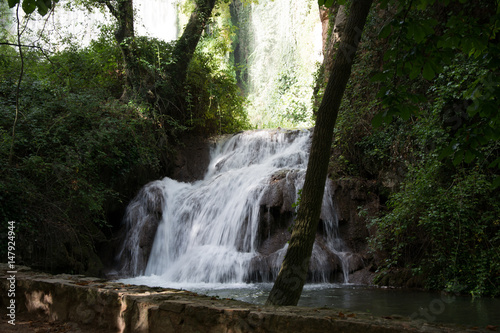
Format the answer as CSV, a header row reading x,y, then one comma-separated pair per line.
x,y
79,153
74,149
420,117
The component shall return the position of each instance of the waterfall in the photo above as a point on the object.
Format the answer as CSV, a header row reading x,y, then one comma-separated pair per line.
x,y
277,51
231,226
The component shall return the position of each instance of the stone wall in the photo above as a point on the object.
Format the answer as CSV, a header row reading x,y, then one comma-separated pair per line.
x,y
116,307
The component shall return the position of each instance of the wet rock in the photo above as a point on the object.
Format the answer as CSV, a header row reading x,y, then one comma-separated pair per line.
x,y
354,200
146,211
281,190
191,159
276,211
355,262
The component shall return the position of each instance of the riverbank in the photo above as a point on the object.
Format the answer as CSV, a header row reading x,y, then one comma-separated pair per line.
x,y
87,303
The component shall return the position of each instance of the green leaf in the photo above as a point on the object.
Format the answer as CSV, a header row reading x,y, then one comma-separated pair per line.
x,y
428,73
12,3
378,120
435,67
447,151
431,23
469,156
415,72
417,98
495,163
385,32
496,182
329,3
380,77
418,33
43,9
459,156
29,6
405,112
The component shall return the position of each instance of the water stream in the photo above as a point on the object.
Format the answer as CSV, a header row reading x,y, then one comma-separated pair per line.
x,y
220,229
212,237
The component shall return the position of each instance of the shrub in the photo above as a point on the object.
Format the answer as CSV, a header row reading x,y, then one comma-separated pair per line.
x,y
74,150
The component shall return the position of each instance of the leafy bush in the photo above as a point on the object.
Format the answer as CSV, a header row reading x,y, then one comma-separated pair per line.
x,y
445,228
438,225
210,103
443,223
74,150
216,104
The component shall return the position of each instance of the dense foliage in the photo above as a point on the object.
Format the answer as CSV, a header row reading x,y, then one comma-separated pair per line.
x,y
216,103
79,153
74,148
434,147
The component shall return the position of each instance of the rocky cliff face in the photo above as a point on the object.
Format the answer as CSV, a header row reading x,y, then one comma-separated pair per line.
x,y
191,159
355,199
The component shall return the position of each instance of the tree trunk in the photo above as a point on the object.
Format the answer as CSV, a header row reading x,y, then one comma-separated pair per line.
x,y
293,273
183,51
123,11
186,45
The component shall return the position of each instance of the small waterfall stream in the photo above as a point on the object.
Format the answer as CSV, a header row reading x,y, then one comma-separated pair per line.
x,y
230,227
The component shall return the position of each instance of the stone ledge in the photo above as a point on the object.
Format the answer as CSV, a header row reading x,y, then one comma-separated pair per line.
x,y
127,308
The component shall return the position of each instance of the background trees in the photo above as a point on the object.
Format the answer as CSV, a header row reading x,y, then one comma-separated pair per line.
x,y
81,152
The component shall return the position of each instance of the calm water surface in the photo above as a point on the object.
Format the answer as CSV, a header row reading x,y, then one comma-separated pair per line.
x,y
431,307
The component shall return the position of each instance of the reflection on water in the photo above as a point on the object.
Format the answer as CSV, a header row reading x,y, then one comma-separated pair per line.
x,y
433,307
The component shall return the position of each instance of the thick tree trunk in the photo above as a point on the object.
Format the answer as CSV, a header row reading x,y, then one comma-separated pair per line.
x,y
292,276
186,45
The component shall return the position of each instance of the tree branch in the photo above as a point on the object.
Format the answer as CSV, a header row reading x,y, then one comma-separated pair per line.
x,y
21,45
111,8
11,153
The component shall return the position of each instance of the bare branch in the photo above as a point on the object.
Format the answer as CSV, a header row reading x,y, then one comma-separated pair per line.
x,y
111,8
11,153
21,45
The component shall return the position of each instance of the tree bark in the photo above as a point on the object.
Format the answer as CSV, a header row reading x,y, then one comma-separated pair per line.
x,y
183,51
186,45
293,273
123,11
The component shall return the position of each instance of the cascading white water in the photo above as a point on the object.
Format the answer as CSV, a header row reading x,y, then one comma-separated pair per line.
x,y
282,43
209,230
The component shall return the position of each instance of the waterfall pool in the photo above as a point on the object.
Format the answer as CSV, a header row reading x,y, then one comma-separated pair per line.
x,y
212,235
379,301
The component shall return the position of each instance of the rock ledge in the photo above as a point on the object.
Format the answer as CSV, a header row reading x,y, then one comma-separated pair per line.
x,y
126,308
